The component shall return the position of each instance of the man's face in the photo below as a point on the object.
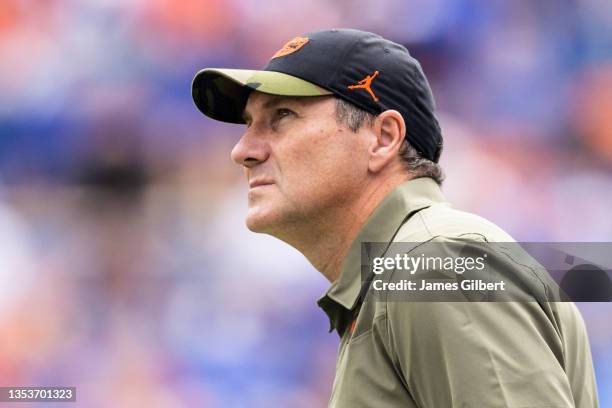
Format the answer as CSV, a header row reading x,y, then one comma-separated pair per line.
x,y
301,165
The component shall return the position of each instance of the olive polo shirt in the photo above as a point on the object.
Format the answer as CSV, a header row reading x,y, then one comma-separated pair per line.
x,y
450,354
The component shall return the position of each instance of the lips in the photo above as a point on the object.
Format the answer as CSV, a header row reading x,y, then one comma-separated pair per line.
x,y
259,182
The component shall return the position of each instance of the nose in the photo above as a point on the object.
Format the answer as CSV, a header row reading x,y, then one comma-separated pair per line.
x,y
250,150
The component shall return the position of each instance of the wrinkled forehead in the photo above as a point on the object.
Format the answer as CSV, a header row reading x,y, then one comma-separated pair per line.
x,y
260,101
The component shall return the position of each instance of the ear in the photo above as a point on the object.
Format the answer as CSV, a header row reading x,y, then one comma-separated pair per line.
x,y
389,132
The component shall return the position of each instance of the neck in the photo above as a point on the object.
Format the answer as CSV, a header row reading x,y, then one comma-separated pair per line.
x,y
326,241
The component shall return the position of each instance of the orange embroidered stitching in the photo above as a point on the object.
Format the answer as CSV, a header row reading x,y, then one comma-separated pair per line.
x,y
291,46
366,83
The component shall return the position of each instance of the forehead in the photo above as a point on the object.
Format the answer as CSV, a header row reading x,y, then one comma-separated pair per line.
x,y
262,101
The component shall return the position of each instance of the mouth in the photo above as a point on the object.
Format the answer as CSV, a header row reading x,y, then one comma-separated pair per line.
x,y
259,183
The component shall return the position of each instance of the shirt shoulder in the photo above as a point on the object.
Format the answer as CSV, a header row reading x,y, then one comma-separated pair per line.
x,y
441,220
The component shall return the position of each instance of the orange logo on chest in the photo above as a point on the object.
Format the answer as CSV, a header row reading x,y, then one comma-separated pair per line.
x,y
352,328
291,47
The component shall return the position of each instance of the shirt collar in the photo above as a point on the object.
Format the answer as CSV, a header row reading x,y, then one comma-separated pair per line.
x,y
340,300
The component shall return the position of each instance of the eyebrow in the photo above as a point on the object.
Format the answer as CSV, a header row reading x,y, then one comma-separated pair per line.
x,y
276,100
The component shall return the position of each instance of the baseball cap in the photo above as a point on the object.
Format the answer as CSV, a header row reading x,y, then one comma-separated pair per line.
x,y
360,67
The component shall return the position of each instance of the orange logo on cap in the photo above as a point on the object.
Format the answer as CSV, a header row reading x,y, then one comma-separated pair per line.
x,y
366,83
291,47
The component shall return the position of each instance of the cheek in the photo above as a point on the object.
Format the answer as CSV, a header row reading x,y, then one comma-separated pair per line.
x,y
328,165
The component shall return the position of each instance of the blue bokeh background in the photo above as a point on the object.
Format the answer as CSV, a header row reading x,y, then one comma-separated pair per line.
x,y
125,266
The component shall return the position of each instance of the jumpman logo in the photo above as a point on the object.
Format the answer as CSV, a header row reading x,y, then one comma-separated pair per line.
x,y
366,83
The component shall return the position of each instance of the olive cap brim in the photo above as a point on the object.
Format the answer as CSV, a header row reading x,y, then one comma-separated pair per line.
x,y
222,93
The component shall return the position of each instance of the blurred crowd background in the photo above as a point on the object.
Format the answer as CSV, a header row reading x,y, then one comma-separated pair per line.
x,y
125,266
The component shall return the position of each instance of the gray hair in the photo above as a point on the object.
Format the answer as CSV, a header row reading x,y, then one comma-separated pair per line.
x,y
354,117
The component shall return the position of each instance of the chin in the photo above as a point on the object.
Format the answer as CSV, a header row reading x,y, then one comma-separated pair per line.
x,y
260,221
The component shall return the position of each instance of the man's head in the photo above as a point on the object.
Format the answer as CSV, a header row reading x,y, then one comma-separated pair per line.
x,y
331,115
305,164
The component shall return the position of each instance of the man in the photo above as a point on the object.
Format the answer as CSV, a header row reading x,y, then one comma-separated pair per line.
x,y
341,148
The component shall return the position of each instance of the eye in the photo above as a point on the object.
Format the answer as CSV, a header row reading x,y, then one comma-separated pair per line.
x,y
282,113
278,115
